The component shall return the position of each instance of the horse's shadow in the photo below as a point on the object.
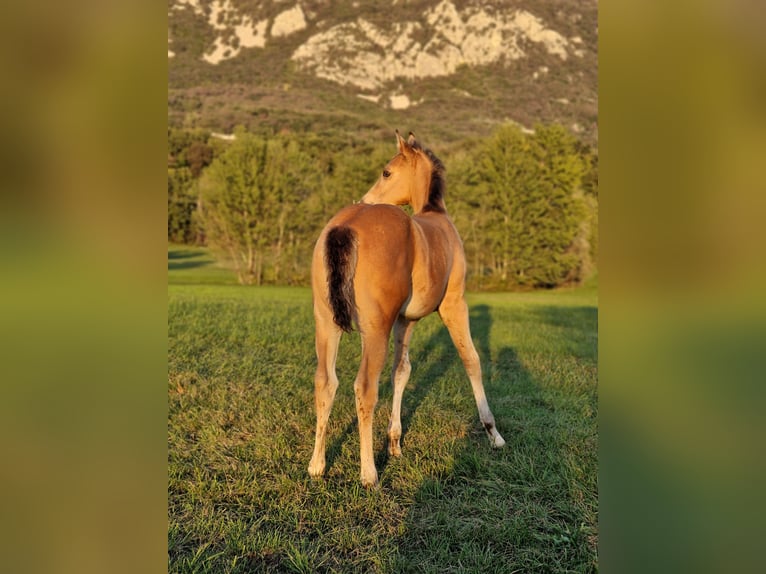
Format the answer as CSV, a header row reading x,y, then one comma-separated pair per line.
x,y
441,355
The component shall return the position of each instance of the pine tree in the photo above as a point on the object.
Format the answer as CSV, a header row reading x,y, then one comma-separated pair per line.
x,y
530,191
182,203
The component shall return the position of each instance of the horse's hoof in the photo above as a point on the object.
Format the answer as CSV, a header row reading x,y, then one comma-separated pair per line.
x,y
370,482
394,449
316,470
497,441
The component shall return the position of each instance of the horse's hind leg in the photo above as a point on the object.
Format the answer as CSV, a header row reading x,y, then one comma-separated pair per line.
x,y
400,375
454,314
325,385
374,348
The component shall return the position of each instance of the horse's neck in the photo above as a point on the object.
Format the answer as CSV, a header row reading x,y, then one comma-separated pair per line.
x,y
422,183
418,202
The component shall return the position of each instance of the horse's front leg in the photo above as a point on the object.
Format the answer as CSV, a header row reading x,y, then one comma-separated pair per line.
x,y
454,314
399,376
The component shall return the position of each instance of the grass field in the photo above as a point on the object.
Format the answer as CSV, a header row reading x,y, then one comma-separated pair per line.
x,y
241,423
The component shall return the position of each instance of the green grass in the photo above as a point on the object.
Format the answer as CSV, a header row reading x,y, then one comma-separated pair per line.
x,y
241,425
196,266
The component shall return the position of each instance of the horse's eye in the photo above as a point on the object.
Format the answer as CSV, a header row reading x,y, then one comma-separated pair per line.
x,y
386,174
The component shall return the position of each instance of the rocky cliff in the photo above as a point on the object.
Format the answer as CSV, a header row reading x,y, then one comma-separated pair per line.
x,y
493,61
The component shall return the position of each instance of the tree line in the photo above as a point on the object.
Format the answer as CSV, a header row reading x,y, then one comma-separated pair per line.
x,y
526,204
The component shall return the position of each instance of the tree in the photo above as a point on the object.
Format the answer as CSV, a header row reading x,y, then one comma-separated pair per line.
x,y
527,191
189,152
251,195
590,191
198,156
470,212
182,203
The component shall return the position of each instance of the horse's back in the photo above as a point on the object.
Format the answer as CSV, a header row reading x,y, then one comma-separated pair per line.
x,y
362,215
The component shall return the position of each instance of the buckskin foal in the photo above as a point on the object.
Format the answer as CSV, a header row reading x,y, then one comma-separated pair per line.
x,y
377,268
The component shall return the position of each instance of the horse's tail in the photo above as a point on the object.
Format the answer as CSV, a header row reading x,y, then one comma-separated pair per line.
x,y
340,258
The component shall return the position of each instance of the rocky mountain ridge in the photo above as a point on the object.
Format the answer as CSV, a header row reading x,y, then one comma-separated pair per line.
x,y
394,54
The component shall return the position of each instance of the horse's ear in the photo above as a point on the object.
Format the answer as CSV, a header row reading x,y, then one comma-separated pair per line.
x,y
404,147
400,142
411,140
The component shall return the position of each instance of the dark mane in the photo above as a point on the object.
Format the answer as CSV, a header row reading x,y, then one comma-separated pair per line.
x,y
438,184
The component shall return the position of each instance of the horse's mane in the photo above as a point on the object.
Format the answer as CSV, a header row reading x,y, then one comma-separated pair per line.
x,y
438,183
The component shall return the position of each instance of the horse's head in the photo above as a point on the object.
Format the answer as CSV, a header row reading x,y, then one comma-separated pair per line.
x,y
413,177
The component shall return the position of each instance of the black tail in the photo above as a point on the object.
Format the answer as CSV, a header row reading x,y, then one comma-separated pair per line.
x,y
340,257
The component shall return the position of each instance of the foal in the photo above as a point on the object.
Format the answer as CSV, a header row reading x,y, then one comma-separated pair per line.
x,y
379,268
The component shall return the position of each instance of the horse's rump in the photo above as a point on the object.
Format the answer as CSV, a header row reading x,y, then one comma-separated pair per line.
x,y
366,264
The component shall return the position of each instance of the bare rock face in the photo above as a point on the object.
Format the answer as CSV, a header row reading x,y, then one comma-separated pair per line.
x,y
289,21
369,57
381,50
235,30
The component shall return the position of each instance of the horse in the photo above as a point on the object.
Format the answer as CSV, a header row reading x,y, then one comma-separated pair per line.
x,y
377,268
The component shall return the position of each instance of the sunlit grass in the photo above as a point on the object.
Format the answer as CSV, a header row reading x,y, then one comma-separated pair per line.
x,y
240,434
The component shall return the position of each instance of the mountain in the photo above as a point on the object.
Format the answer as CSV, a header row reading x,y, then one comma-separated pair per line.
x,y
444,68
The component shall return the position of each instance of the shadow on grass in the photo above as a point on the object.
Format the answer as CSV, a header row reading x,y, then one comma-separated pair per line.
x,y
182,259
176,266
581,323
181,254
529,507
522,508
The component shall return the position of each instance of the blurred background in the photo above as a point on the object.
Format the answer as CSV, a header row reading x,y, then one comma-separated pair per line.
x,y
83,309
682,321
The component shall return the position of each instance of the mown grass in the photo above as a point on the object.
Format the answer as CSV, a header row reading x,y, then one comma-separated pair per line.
x,y
241,423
